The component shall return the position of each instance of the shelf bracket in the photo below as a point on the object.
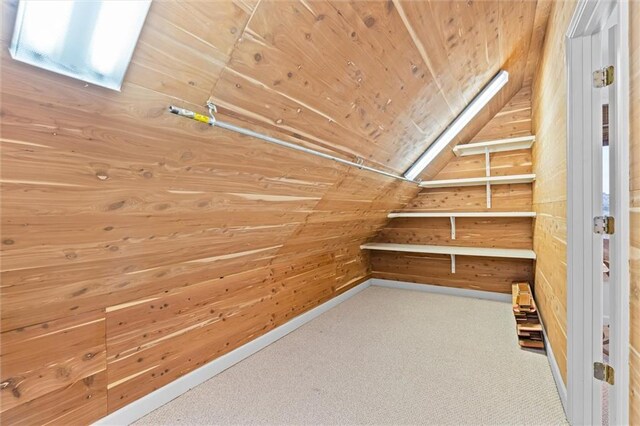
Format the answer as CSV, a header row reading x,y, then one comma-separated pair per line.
x,y
453,263
453,227
487,167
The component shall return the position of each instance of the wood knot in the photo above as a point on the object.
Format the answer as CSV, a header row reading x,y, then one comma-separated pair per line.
x,y
116,205
257,57
370,21
71,256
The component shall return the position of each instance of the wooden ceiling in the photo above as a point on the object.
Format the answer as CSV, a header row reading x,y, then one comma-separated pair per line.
x,y
376,80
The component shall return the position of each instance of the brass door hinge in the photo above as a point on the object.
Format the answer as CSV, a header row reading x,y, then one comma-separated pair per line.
x,y
604,225
604,372
603,77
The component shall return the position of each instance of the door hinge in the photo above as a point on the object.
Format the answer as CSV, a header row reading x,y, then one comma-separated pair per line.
x,y
603,77
604,225
604,372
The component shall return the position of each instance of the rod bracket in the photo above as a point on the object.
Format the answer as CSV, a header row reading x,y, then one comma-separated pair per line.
x,y
212,110
212,107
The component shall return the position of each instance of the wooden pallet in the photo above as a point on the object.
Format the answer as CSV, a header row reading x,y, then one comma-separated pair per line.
x,y
528,326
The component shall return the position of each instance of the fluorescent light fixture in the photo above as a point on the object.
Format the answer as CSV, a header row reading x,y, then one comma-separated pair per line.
x,y
479,102
91,40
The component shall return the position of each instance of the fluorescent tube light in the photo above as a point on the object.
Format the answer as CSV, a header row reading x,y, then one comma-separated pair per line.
x,y
92,41
479,102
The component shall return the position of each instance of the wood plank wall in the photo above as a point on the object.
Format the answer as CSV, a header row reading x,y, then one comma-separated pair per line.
x,y
634,46
471,272
549,112
137,245
513,120
550,191
175,241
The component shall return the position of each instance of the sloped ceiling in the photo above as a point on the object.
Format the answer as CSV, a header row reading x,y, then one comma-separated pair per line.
x,y
376,80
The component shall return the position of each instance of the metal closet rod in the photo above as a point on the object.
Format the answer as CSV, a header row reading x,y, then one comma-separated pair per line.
x,y
211,121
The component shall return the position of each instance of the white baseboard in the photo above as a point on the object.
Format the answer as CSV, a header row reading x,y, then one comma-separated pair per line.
x,y
555,370
143,406
462,292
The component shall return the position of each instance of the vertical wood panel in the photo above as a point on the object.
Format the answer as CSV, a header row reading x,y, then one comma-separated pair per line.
x,y
550,191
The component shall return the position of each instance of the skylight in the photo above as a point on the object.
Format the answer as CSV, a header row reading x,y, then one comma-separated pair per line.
x,y
92,41
475,106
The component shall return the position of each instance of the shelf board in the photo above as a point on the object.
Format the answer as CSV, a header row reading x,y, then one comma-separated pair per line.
x,y
462,214
452,250
501,145
477,181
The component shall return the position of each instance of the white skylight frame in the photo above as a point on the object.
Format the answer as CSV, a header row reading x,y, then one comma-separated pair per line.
x,y
474,107
92,41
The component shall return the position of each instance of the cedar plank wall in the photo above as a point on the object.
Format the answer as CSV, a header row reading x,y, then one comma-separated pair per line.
x,y
478,273
137,246
634,46
550,191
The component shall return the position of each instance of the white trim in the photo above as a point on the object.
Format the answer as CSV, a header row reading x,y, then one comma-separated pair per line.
x,y
479,181
457,250
461,214
584,307
150,402
143,406
620,276
500,145
452,291
555,370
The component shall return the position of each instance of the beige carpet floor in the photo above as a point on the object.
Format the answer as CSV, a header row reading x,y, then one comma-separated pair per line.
x,y
385,356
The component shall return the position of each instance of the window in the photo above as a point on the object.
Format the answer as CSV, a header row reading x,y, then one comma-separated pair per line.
x,y
92,41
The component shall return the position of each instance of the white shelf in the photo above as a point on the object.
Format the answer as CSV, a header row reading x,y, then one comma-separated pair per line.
x,y
511,144
478,181
462,214
453,250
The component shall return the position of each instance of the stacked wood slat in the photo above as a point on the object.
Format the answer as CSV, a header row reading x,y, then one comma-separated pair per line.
x,y
528,324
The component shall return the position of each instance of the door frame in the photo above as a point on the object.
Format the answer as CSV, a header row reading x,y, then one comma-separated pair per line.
x,y
584,106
